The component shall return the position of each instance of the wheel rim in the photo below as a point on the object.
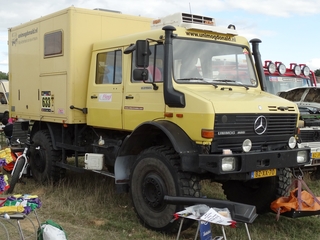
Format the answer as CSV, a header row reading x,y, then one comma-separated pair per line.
x,y
153,192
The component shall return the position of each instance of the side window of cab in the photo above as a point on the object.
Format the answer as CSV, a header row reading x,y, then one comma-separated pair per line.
x,y
109,67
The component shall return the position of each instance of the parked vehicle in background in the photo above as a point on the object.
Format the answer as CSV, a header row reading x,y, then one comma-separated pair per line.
x,y
298,84
4,99
90,92
280,78
308,101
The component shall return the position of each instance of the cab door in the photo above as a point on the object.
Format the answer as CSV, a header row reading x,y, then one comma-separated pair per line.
x,y
143,101
104,100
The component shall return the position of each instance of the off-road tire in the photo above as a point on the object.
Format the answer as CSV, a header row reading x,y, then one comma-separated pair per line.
x,y
315,174
5,115
259,192
42,157
15,175
156,173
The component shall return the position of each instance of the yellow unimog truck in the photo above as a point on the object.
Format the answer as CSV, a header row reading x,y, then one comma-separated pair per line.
x,y
157,104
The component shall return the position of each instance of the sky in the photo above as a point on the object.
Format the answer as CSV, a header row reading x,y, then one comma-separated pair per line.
x,y
288,29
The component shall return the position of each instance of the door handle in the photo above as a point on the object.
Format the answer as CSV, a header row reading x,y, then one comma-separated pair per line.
x,y
93,97
129,97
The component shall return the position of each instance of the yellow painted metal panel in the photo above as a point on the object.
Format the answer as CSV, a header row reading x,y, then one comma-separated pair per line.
x,y
80,28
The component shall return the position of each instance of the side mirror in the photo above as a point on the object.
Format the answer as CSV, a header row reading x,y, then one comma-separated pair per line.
x,y
140,74
142,53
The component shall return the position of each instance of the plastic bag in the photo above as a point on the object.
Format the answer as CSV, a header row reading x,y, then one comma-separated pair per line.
x,y
286,204
49,230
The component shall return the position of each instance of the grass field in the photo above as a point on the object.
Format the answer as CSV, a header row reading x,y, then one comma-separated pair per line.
x,y
88,208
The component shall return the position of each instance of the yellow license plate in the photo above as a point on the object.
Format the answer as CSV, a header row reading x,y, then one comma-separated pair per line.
x,y
264,173
316,155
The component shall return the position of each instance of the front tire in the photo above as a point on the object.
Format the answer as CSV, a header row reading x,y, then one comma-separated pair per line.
x,y
156,173
15,174
42,157
259,192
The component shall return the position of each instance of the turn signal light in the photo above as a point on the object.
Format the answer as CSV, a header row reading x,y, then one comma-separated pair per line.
x,y
207,133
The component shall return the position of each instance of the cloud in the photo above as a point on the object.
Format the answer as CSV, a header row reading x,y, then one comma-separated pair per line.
x,y
314,64
257,19
19,11
284,8
4,62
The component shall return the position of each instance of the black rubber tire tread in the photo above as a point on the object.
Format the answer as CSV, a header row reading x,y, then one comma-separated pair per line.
x,y
15,175
259,192
41,159
285,180
315,174
5,115
163,162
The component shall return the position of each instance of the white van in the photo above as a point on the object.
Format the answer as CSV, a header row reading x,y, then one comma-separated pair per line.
x,y
4,99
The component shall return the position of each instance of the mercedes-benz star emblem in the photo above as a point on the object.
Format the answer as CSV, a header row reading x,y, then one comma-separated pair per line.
x,y
260,125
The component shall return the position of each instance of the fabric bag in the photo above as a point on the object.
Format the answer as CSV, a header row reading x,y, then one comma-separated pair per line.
x,y
49,230
286,204
299,203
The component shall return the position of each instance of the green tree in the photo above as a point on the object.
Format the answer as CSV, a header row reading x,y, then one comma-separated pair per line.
x,y
317,72
3,75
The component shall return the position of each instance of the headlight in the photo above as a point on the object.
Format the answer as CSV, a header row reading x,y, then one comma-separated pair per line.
x,y
306,71
246,145
292,142
302,156
228,164
297,70
271,68
282,68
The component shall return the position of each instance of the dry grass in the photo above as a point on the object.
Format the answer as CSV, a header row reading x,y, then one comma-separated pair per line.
x,y
87,207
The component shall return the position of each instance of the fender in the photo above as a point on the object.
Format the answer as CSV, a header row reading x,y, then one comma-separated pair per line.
x,y
145,136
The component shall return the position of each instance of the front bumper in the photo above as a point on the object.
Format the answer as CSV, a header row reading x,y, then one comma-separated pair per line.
x,y
253,161
315,153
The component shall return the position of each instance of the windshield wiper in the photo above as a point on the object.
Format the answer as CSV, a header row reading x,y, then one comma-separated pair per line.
x,y
225,80
194,78
190,78
232,81
240,83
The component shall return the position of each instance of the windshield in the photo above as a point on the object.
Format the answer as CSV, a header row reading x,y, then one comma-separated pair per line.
x,y
212,62
277,84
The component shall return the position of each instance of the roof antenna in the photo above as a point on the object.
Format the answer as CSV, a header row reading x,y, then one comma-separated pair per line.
x,y
190,8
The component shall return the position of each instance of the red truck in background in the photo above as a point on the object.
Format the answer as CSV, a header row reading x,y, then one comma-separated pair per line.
x,y
298,84
280,78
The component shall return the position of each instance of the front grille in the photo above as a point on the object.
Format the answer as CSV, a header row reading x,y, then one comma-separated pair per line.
x,y
231,130
309,135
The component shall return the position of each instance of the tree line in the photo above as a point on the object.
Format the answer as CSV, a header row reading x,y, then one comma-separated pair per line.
x,y
3,75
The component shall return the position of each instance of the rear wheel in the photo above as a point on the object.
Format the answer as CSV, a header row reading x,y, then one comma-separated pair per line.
x,y
42,157
156,173
15,174
259,192
5,115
